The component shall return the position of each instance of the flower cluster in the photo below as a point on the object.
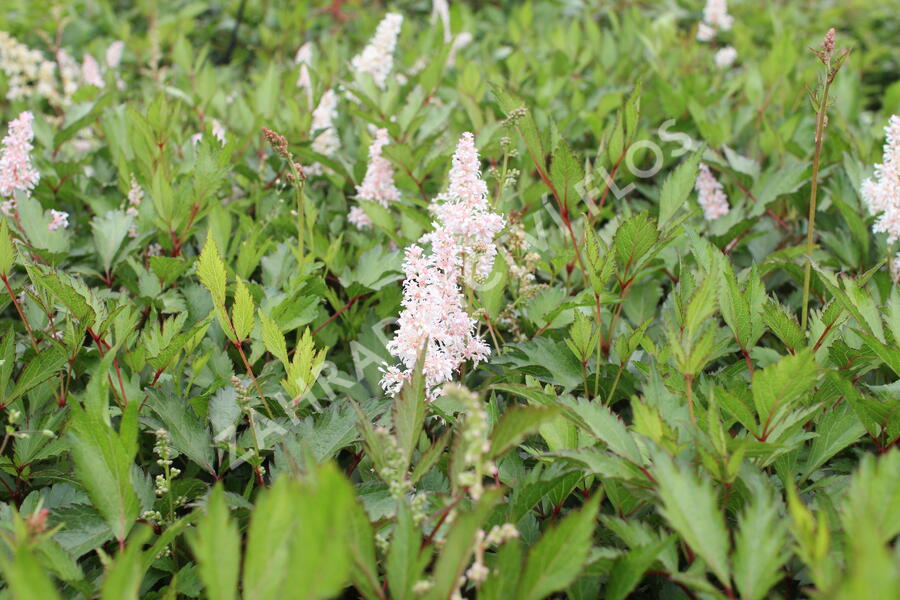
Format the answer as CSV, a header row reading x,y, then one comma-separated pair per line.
x,y
378,184
478,572
710,194
326,141
881,193
725,57
462,250
114,54
715,17
304,58
135,197
27,72
90,71
377,59
59,220
16,170
466,215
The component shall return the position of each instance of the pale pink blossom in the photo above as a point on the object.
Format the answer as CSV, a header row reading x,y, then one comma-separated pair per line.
x,y
715,14
440,9
881,193
377,59
326,141
432,318
710,194
114,54
59,220
135,197
459,42
725,57
90,71
16,171
705,33
715,18
378,184
27,72
218,131
358,217
465,213
69,74
462,249
304,59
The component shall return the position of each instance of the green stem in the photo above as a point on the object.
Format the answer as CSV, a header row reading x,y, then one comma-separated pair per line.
x,y
615,383
810,230
599,344
689,388
298,180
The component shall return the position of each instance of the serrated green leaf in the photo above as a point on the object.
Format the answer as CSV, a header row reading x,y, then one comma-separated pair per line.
x,y
677,188
516,423
691,507
783,383
759,546
216,544
211,271
242,312
628,569
7,250
103,466
558,556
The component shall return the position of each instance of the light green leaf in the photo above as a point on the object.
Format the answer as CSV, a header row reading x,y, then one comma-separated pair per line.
x,y
7,250
242,312
557,558
691,506
216,544
783,383
103,466
677,187
110,231
211,271
628,569
515,424
759,546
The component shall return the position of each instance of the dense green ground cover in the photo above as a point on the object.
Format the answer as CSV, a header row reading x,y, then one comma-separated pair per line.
x,y
642,372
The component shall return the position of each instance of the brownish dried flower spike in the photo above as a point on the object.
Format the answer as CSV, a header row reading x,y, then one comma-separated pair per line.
x,y
278,141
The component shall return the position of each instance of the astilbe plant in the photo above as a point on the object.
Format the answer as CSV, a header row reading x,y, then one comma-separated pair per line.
x,y
476,300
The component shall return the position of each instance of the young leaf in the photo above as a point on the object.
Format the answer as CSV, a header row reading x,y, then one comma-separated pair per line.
x,y
216,544
691,506
408,411
759,545
783,383
211,271
7,250
242,311
677,188
516,423
628,569
557,558
103,466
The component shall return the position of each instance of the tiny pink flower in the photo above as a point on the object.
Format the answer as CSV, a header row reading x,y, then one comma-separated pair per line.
x,y
16,170
377,59
60,220
725,57
90,71
881,193
378,184
710,195
359,218
114,54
